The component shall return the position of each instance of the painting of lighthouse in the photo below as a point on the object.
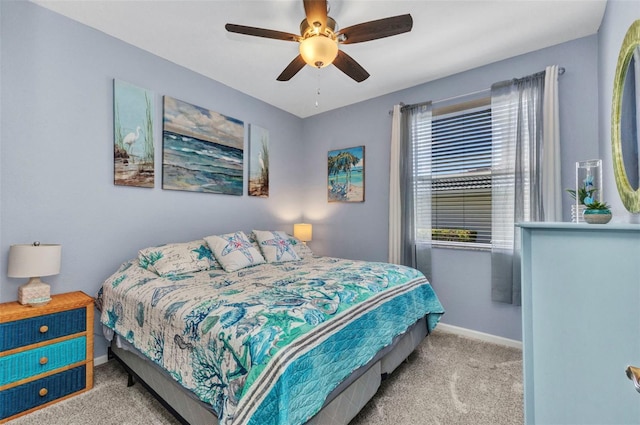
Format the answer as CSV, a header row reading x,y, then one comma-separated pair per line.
x,y
258,161
133,152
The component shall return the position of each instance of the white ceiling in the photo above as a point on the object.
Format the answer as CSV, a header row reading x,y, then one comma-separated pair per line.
x,y
448,36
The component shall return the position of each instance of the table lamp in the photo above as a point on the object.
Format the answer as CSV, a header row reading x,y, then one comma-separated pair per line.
x,y
303,231
34,261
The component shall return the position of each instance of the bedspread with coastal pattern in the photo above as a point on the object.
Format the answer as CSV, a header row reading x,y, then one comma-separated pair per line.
x,y
268,343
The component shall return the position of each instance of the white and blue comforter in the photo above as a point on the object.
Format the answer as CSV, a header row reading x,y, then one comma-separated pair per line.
x,y
267,344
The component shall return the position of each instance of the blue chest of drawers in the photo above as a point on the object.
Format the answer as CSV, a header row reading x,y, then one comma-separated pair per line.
x,y
46,353
581,322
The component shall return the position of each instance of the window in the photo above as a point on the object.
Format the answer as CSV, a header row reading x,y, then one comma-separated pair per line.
x,y
460,175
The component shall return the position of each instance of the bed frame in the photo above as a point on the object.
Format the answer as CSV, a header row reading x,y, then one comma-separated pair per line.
x,y
342,405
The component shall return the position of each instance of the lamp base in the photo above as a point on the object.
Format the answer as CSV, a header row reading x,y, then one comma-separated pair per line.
x,y
34,293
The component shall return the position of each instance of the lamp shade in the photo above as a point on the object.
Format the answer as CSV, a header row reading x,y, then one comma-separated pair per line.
x,y
34,260
303,231
318,50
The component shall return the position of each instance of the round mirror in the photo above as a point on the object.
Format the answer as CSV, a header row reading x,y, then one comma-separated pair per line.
x,y
629,121
625,120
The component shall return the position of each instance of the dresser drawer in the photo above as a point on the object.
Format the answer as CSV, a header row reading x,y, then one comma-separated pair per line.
x,y
37,329
40,360
42,391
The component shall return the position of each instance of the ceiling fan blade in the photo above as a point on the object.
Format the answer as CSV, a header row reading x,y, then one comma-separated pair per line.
x,y
349,66
316,11
292,69
261,32
380,28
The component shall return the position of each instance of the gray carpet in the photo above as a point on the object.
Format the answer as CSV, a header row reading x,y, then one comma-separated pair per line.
x,y
448,380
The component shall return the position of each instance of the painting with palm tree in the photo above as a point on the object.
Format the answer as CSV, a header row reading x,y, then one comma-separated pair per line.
x,y
345,169
133,153
258,161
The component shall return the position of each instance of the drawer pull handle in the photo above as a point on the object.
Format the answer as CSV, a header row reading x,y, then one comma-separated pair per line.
x,y
43,392
633,373
44,361
44,329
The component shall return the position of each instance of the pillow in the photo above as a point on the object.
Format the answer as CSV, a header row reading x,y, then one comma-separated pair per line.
x,y
301,248
252,238
275,246
178,258
234,251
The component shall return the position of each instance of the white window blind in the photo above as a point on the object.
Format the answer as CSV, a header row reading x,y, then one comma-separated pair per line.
x,y
460,176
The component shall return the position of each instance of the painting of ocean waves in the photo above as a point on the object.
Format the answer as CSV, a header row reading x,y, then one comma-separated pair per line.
x,y
202,150
196,165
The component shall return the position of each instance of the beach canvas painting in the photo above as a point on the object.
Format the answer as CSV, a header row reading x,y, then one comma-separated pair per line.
x,y
345,169
203,151
258,161
133,152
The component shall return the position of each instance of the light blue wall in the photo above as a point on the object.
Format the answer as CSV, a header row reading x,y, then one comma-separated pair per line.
x,y
461,278
619,15
57,152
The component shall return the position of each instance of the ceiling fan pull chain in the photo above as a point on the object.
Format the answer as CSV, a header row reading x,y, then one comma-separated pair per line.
x,y
318,90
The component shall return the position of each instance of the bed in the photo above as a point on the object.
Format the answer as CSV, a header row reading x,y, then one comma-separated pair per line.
x,y
255,329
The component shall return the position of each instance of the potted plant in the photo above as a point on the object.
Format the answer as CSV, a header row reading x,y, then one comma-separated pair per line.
x,y
584,196
597,213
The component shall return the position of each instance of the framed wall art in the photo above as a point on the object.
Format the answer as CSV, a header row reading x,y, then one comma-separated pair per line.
x,y
258,161
133,141
203,151
345,170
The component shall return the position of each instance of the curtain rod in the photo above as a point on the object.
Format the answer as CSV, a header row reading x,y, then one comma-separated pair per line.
x,y
561,71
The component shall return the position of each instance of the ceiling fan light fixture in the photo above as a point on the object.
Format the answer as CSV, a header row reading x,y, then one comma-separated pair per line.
x,y
320,38
318,50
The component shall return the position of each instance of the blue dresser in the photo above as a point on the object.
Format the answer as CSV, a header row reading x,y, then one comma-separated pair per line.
x,y
581,322
46,353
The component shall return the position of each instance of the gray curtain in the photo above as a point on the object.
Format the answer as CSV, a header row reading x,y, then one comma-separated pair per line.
x,y
415,184
517,121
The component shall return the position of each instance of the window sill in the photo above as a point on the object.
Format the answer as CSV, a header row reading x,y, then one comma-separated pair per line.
x,y
469,246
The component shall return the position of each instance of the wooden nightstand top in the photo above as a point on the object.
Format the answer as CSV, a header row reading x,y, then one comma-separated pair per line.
x,y
13,310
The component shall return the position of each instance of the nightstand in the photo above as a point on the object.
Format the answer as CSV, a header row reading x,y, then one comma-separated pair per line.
x,y
46,353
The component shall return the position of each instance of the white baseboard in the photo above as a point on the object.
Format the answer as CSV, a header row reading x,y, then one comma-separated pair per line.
x,y
97,361
494,339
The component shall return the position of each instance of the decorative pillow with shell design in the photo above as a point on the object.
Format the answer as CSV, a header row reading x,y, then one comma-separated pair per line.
x,y
178,258
234,251
276,246
299,247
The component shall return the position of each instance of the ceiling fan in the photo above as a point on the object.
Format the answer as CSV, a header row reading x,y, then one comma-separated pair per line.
x,y
319,39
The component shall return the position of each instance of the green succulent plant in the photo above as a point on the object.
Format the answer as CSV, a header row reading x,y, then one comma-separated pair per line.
x,y
597,205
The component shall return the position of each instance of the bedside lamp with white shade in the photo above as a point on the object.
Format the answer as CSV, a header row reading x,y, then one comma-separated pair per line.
x,y
34,261
303,231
